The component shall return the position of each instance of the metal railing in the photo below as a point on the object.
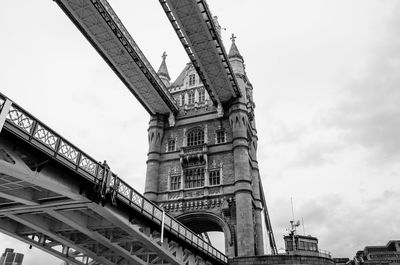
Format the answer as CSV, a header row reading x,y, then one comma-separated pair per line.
x,y
27,127
324,253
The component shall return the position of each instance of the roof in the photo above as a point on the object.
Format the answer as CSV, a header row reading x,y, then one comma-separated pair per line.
x,y
233,51
163,70
181,77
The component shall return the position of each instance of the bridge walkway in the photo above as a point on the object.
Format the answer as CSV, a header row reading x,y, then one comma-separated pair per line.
x,y
57,198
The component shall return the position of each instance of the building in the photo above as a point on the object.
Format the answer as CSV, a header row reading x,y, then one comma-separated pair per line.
x,y
202,167
299,249
303,245
9,257
379,255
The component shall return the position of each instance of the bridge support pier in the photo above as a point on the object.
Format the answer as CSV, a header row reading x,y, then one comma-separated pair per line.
x,y
243,182
155,135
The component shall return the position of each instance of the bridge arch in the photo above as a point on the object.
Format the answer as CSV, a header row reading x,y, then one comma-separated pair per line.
x,y
201,222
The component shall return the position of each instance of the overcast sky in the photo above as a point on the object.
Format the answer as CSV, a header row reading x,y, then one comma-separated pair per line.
x,y
326,85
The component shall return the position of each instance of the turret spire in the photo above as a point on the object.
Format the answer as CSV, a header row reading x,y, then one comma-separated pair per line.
x,y
234,52
163,70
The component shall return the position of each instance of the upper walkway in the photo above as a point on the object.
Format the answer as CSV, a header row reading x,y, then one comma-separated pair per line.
x,y
199,35
104,30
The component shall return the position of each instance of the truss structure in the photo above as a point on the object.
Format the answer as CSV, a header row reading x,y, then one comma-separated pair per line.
x,y
57,198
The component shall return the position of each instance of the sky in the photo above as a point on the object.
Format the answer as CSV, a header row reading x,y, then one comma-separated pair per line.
x,y
325,77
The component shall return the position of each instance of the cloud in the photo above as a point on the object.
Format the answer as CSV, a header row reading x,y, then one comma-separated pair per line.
x,y
369,113
337,222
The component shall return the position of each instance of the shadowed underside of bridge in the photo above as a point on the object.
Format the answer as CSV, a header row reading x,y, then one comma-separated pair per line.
x,y
103,29
56,198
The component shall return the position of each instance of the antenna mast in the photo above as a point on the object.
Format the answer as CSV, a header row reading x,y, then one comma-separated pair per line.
x,y
293,225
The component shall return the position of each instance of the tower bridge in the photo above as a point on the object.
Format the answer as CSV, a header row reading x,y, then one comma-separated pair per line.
x,y
202,169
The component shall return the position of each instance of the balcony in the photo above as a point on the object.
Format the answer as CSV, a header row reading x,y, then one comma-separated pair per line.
x,y
193,155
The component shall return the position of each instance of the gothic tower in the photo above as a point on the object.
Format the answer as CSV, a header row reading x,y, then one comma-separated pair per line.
x,y
203,168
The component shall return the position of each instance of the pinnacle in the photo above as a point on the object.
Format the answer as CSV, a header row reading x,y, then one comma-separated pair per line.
x,y
233,51
163,70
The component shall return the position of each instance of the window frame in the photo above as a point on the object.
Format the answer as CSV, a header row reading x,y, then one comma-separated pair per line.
x,y
170,140
195,137
196,180
178,100
191,98
211,177
218,136
202,95
175,182
192,79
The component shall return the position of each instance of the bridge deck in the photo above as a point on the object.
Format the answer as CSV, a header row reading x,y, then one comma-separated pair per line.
x,y
194,25
103,29
56,197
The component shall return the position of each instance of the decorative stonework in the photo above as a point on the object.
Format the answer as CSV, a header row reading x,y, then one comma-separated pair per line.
x,y
201,204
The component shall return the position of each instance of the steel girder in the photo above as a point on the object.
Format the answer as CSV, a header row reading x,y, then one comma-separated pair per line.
x,y
103,29
78,204
194,25
75,229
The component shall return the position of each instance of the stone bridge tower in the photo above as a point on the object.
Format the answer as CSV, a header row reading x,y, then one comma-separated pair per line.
x,y
202,167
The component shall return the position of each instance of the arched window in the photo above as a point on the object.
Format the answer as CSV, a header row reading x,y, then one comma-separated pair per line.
x,y
195,137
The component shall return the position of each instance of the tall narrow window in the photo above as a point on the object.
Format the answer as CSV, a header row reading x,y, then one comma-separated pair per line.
x,y
171,145
191,98
195,137
178,100
175,182
194,178
192,80
214,177
202,95
221,136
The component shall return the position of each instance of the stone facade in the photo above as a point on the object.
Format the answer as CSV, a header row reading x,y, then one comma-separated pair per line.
x,y
202,165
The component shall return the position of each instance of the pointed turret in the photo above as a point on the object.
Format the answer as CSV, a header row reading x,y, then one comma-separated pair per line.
x,y
233,51
163,71
235,58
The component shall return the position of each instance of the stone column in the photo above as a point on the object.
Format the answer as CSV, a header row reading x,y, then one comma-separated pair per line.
x,y
242,172
155,135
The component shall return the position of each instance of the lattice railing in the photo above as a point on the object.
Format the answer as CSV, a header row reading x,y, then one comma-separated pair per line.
x,y
22,124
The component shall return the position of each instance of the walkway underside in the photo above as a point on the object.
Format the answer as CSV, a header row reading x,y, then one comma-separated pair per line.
x,y
195,28
57,198
103,29
70,226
